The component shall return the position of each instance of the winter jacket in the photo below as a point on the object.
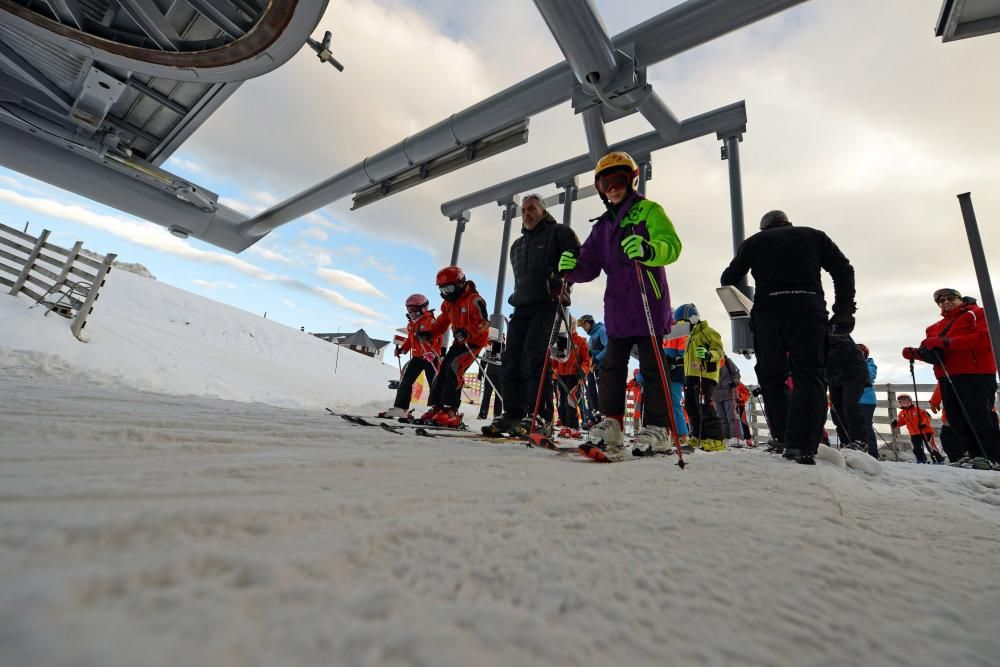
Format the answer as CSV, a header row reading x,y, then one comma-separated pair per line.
x,y
967,349
868,395
579,358
704,336
467,312
598,342
623,308
423,324
916,420
845,363
729,381
534,258
785,263
673,350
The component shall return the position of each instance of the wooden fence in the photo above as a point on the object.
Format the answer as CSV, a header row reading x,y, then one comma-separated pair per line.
x,y
64,281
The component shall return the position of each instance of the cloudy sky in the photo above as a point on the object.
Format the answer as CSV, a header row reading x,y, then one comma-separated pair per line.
x,y
861,123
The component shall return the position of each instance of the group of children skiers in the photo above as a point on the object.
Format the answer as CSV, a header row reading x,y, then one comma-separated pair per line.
x,y
691,390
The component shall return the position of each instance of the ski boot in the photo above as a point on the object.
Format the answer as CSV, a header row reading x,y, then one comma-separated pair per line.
x,y
712,445
448,418
774,447
651,440
524,428
734,443
393,413
568,432
605,442
799,456
427,418
938,458
500,426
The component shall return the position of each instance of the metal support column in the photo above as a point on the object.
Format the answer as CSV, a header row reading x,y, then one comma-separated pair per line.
x,y
982,272
460,221
645,175
509,211
742,336
569,194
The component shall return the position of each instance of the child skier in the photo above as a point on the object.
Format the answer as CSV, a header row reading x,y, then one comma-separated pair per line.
x,y
918,425
633,233
570,375
465,311
673,354
424,353
702,358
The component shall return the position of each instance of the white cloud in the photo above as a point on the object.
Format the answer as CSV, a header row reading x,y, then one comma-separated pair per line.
x,y
290,304
158,238
349,281
213,284
269,255
384,267
314,233
11,182
183,164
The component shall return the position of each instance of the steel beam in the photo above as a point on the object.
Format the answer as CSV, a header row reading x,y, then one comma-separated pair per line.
x,y
729,119
982,272
151,21
509,213
19,67
742,335
667,34
460,221
597,140
659,115
569,195
582,38
224,16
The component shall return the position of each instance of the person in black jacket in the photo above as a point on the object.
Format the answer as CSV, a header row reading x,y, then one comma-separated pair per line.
x,y
789,322
847,375
534,259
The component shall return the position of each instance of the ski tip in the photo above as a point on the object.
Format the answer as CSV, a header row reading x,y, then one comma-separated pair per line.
x,y
593,452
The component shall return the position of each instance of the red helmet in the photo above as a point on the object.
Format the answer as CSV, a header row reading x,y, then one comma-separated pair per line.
x,y
416,305
863,348
450,282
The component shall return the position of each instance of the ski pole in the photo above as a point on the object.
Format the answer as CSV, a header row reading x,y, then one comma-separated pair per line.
x,y
961,403
486,375
545,364
659,364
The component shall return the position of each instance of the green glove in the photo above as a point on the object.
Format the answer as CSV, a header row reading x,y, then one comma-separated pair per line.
x,y
567,261
636,247
700,352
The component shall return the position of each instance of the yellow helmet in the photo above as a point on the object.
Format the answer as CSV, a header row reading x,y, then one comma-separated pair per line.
x,y
618,160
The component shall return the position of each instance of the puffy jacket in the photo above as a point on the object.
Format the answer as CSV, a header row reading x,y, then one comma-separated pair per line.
x,y
423,324
729,372
868,395
578,359
623,309
967,349
704,336
845,363
598,342
534,258
673,350
467,312
916,420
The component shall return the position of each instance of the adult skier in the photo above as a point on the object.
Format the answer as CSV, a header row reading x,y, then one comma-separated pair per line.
x,y
534,258
465,311
632,230
424,353
789,322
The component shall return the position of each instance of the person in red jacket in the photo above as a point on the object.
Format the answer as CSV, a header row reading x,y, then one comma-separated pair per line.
x,y
958,345
918,425
570,373
424,355
465,312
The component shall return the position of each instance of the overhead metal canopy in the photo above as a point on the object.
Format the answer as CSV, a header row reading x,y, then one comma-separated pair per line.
x,y
95,90
960,19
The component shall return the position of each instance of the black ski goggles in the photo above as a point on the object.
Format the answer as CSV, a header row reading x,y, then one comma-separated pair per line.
x,y
449,290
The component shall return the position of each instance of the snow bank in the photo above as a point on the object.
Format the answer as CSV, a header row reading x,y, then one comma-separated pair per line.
x,y
146,335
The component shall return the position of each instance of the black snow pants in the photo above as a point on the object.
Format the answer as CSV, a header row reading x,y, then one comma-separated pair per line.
x,y
411,372
492,386
705,421
446,392
614,377
977,393
523,358
847,415
569,394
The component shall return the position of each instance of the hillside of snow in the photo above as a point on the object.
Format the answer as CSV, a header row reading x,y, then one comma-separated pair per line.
x,y
146,335
145,521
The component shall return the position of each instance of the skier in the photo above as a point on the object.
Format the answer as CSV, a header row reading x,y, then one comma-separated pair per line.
x,y
673,353
959,347
491,375
537,288
598,342
867,402
790,326
727,402
465,311
633,240
918,425
847,376
571,374
423,353
702,359
633,392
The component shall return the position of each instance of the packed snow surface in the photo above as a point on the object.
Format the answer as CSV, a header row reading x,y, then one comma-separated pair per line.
x,y
177,528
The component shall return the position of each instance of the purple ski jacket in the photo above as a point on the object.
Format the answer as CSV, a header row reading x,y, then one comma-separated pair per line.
x,y
624,314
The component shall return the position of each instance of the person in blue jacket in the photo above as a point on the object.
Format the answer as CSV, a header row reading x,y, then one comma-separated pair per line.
x,y
598,342
867,402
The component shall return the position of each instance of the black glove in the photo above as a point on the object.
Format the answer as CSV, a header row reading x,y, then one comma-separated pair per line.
x,y
841,324
461,335
398,351
894,423
756,391
424,336
555,285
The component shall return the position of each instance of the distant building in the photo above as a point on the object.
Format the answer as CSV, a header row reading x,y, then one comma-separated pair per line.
x,y
359,341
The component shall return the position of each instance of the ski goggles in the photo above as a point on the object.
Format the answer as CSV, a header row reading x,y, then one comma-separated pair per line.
x,y
449,289
413,314
616,179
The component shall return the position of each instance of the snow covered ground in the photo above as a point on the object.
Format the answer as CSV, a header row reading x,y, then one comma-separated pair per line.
x,y
171,528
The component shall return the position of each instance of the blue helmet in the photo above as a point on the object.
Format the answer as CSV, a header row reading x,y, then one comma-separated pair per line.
x,y
685,312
